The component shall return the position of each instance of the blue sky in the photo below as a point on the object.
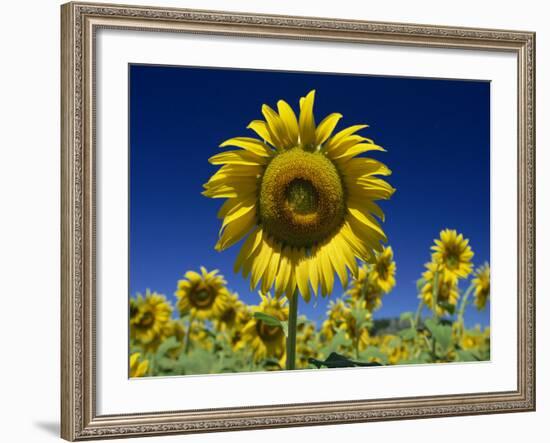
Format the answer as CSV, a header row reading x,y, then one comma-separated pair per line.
x,y
436,133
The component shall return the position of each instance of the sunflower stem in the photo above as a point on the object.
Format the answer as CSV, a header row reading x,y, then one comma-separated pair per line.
x,y
435,295
292,326
418,314
188,335
460,319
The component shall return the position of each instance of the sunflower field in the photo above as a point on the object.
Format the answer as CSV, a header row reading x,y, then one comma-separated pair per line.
x,y
301,201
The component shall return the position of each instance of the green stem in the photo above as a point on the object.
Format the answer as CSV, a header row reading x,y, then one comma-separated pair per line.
x,y
462,309
188,335
435,294
418,314
292,326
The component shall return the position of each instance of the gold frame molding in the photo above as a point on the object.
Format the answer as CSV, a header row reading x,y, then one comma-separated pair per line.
x,y
79,22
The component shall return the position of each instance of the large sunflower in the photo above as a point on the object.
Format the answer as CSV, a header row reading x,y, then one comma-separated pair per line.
x,y
266,340
447,290
203,295
452,251
303,199
482,285
149,316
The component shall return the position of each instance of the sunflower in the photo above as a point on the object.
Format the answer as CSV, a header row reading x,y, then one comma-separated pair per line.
x,y
302,198
350,316
452,251
138,368
365,287
203,295
335,318
266,340
394,348
149,315
482,285
233,313
172,328
475,339
357,319
306,343
447,290
383,269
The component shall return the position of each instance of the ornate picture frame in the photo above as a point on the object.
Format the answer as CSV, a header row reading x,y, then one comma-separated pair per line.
x,y
80,22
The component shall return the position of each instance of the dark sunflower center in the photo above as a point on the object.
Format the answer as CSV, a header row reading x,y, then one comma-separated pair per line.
x,y
301,198
451,261
202,298
267,332
229,316
382,270
146,320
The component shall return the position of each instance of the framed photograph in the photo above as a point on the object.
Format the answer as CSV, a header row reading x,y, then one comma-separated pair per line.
x,y
284,221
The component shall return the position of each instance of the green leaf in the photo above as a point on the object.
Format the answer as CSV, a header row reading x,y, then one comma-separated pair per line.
x,y
465,356
408,334
272,321
406,316
371,353
335,360
442,334
284,326
167,345
267,319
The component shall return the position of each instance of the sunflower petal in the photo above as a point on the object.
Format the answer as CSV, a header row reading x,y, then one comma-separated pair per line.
x,y
289,119
357,149
236,230
276,128
336,139
325,128
249,144
307,121
260,263
302,269
260,127
248,248
237,158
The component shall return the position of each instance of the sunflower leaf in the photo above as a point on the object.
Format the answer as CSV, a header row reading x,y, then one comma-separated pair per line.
x,y
441,333
335,360
272,321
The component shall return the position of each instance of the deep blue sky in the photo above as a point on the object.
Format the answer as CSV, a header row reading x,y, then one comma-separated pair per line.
x,y
436,133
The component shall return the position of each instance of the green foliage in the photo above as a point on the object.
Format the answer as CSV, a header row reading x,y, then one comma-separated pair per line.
x,y
272,321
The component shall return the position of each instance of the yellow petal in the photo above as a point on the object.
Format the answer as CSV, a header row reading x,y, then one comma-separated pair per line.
x,y
238,212
249,144
356,150
283,276
248,248
273,267
337,261
307,121
343,134
276,128
325,128
260,263
236,230
237,158
289,119
302,269
260,128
